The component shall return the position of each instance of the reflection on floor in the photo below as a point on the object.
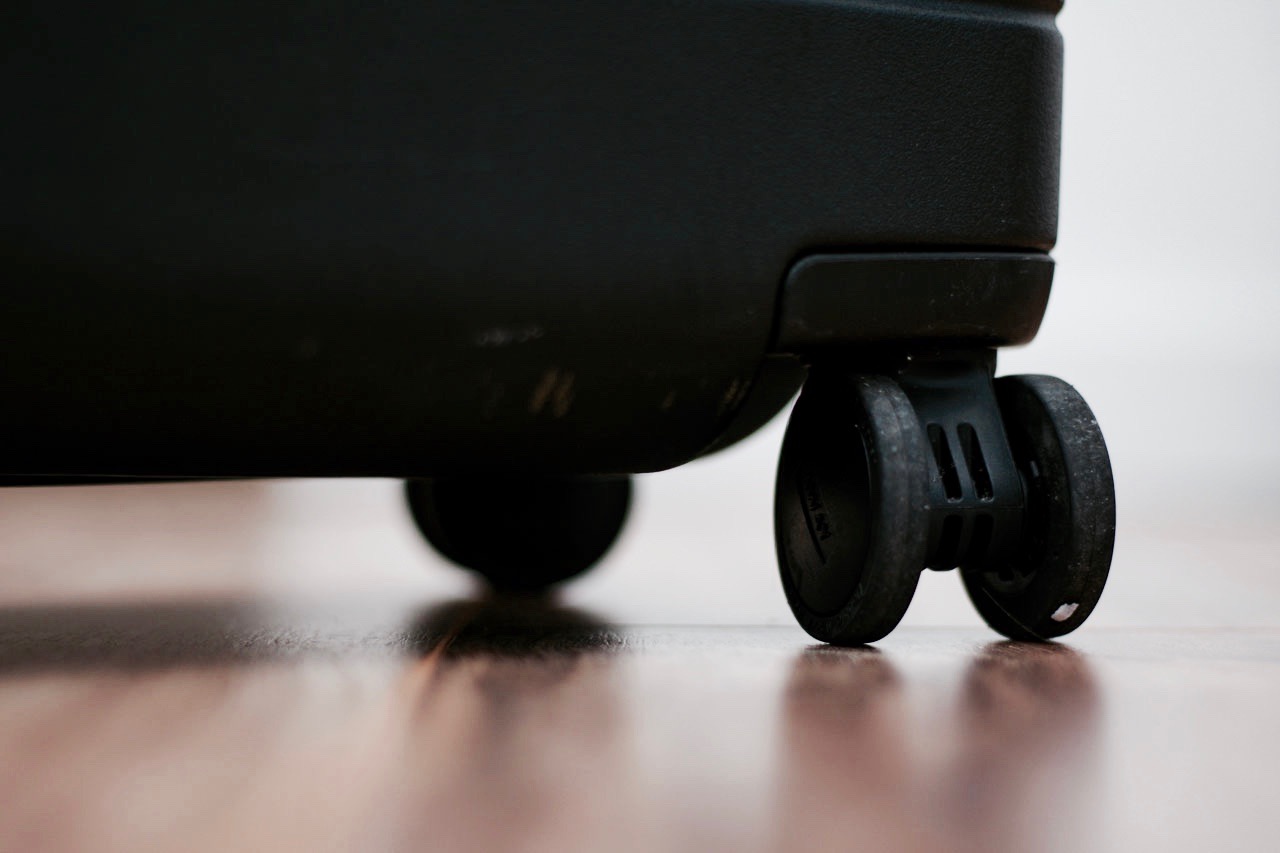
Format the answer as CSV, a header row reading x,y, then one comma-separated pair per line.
x,y
519,724
232,666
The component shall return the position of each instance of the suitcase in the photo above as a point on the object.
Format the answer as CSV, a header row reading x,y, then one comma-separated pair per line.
x,y
514,253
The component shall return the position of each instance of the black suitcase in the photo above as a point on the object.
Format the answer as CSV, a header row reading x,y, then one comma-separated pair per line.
x,y
515,252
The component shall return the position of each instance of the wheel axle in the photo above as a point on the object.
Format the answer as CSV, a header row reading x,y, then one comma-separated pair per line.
x,y
976,497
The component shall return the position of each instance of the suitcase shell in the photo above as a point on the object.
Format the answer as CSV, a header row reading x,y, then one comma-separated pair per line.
x,y
311,238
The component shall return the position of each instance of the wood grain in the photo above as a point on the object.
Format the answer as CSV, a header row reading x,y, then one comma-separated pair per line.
x,y
137,713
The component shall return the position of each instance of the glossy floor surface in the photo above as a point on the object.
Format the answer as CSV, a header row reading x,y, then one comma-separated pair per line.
x,y
145,706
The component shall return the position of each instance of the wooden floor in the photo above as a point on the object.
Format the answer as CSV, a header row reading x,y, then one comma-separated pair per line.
x,y
171,717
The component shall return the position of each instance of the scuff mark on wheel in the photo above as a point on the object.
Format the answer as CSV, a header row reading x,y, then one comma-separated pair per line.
x,y
1065,612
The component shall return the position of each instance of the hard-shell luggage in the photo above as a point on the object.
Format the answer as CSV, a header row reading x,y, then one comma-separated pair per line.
x,y
516,252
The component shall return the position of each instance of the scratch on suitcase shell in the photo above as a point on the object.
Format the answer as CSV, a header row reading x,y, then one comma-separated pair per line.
x,y
500,336
732,395
668,401
554,391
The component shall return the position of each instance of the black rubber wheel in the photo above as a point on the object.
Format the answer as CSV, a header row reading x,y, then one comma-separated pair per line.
x,y
521,534
1053,582
851,507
